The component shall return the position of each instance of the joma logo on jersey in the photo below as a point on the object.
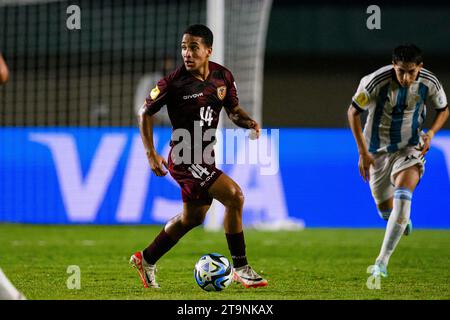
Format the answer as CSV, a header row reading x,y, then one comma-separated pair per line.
x,y
193,96
206,116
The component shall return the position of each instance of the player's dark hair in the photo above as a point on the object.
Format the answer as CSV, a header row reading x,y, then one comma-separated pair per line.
x,y
202,31
407,52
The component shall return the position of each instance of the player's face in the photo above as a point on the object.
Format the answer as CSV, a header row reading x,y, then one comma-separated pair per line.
x,y
194,52
407,72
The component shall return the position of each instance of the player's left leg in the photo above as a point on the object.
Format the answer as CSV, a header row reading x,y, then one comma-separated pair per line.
x,y
225,190
405,183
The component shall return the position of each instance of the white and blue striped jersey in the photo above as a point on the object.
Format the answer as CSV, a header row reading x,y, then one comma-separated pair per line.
x,y
396,113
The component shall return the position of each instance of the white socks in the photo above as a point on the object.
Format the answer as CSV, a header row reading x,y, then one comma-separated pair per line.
x,y
396,224
7,290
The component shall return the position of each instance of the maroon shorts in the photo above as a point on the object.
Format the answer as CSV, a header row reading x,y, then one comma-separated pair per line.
x,y
194,180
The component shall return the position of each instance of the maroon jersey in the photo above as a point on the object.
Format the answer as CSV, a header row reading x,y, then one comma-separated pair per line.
x,y
194,105
192,102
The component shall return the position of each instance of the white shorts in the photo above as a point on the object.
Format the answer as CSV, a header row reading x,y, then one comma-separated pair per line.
x,y
387,166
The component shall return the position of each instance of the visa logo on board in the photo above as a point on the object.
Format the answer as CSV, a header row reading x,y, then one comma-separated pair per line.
x,y
84,193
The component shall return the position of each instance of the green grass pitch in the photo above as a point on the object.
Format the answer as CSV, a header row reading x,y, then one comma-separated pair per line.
x,y
308,264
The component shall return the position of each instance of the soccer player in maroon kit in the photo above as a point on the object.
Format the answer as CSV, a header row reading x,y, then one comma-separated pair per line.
x,y
194,94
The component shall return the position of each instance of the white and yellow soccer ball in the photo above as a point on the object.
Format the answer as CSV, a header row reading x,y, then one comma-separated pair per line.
x,y
213,272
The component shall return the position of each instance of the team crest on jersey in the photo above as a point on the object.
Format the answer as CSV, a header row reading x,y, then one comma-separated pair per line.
x,y
362,99
154,93
221,92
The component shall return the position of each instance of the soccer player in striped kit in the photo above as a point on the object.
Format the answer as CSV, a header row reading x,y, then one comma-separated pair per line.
x,y
195,94
392,146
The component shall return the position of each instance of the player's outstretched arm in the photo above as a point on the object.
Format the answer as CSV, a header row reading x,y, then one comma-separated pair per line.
x,y
4,73
438,122
365,158
157,162
243,120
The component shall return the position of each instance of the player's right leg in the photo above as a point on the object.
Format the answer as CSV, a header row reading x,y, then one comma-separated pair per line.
x,y
384,210
228,192
145,261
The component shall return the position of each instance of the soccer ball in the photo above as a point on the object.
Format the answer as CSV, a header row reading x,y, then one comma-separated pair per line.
x,y
213,272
